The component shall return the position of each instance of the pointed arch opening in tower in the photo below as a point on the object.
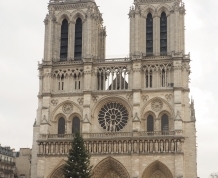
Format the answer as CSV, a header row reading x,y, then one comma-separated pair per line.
x,y
78,40
64,40
149,78
163,34
157,169
149,35
110,168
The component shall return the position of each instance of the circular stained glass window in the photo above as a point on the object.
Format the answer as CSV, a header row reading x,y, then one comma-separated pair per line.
x,y
113,117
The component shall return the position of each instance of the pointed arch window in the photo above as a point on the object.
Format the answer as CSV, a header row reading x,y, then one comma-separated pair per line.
x,y
163,34
149,78
163,78
149,35
150,123
64,40
61,126
78,40
75,125
164,124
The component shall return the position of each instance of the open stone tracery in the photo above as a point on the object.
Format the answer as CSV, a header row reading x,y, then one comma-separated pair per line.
x,y
113,117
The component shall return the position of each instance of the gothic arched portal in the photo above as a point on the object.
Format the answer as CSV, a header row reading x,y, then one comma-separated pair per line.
x,y
110,168
58,173
157,170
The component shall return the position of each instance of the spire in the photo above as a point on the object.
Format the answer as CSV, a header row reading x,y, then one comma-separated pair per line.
x,y
192,110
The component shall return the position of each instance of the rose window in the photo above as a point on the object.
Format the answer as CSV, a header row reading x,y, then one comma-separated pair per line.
x,y
113,117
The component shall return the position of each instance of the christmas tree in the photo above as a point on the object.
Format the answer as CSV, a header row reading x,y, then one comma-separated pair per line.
x,y
78,164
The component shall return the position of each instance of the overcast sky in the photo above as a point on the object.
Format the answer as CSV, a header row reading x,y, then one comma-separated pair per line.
x,y
21,47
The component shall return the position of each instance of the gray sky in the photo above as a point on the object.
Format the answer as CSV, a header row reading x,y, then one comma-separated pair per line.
x,y
21,46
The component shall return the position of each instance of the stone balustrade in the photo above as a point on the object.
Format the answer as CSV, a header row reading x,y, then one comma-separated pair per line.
x,y
109,135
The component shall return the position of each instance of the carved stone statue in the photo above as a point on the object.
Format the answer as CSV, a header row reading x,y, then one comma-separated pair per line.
x,y
56,148
124,147
94,146
161,146
179,146
52,148
41,148
156,146
120,147
140,147
115,147
166,146
99,147
61,148
135,146
66,150
47,149
90,147
105,147
130,147
109,147
172,146
151,146
146,146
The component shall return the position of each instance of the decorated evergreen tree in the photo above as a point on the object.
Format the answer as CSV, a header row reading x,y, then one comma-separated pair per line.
x,y
78,164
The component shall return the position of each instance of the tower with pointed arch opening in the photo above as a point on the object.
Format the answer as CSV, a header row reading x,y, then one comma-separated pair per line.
x,y
134,113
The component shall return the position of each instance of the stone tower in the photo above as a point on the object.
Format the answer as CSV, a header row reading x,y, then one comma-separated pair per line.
x,y
134,113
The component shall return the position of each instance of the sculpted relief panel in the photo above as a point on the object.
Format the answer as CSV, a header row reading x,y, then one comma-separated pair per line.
x,y
158,174
111,174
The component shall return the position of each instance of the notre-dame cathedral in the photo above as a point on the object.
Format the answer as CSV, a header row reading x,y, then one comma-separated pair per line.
x,y
134,113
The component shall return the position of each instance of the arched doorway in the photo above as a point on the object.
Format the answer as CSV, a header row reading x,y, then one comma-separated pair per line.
x,y
157,170
58,173
110,168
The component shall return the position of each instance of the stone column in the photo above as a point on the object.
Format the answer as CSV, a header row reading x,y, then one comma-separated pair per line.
x,y
132,32
71,40
49,37
137,31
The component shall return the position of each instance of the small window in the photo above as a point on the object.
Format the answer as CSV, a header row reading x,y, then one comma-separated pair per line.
x,y
61,126
64,40
76,125
150,123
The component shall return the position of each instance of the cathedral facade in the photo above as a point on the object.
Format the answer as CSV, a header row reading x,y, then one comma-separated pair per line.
x,y
134,113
